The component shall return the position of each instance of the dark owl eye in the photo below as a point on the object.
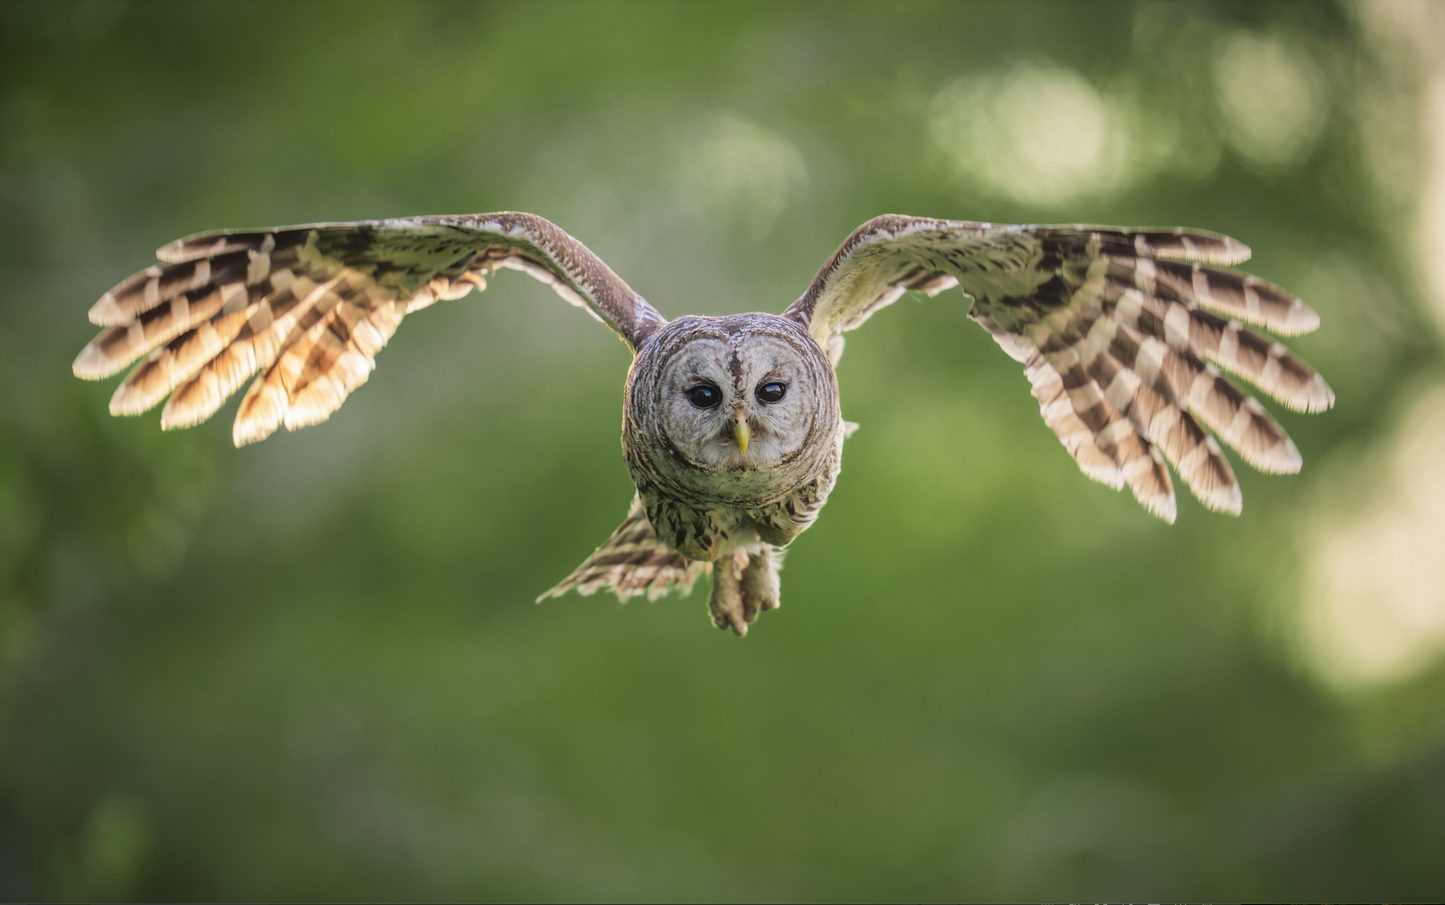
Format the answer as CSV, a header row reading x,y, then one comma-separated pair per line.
x,y
771,391
704,396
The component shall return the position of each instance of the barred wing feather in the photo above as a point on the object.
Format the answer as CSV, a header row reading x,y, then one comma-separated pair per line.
x,y
1121,332
310,306
633,562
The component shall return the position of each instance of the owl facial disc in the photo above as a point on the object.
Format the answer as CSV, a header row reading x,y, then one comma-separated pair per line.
x,y
733,408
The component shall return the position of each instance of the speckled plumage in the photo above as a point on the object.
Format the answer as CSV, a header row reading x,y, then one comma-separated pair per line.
x,y
1121,341
703,498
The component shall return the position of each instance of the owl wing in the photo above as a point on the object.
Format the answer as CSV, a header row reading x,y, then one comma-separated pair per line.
x,y
1119,336
633,562
309,307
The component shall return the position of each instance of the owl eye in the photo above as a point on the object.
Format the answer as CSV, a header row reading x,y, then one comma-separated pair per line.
x,y
771,391
704,396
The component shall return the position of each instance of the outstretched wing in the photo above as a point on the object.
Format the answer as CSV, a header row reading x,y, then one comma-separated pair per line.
x,y
1119,338
309,307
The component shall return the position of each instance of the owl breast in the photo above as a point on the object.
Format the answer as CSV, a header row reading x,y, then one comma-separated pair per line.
x,y
731,431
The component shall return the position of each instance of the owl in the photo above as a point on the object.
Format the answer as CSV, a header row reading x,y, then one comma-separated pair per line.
x,y
731,426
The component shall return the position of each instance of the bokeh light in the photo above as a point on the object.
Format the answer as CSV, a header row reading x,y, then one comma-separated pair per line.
x,y
1039,135
1273,97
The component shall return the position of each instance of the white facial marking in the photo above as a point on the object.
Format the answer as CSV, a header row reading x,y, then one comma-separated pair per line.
x,y
736,367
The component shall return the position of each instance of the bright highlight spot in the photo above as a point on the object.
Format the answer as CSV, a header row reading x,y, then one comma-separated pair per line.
x,y
739,175
1373,608
1273,98
1041,135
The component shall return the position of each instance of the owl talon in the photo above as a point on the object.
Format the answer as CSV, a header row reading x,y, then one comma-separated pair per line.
x,y
726,601
744,586
760,583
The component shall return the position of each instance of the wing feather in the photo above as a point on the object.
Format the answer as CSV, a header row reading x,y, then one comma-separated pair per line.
x,y
310,306
631,563
1120,332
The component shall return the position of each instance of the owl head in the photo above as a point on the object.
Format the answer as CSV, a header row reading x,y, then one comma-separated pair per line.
x,y
733,408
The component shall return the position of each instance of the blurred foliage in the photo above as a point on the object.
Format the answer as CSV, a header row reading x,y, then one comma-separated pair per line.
x,y
311,669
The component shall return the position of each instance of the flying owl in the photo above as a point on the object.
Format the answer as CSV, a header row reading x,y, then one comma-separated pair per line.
x,y
731,426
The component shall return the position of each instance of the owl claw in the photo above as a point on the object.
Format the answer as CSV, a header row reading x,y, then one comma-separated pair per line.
x,y
743,585
740,628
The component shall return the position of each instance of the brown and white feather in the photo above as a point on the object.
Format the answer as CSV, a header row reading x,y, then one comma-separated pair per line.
x,y
310,306
1121,333
633,562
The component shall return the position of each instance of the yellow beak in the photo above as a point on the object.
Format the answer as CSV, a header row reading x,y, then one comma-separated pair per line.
x,y
741,430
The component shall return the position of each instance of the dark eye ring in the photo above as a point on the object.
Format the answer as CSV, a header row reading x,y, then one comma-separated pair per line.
x,y
772,391
704,396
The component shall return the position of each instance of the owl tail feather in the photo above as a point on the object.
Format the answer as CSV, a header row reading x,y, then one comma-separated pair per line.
x,y
632,562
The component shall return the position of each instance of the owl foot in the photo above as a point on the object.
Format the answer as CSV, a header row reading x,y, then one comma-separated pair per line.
x,y
743,585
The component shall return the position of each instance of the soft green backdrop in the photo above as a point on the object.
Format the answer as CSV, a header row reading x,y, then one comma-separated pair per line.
x,y
312,669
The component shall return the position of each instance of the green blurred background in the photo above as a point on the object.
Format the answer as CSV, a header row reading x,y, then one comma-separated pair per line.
x,y
312,669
